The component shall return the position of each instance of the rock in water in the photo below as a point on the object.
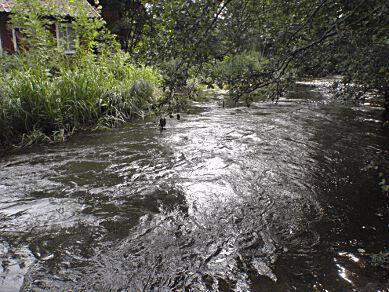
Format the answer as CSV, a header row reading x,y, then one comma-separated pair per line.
x,y
162,123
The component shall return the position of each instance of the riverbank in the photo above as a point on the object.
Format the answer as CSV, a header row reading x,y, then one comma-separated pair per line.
x,y
143,100
138,95
41,106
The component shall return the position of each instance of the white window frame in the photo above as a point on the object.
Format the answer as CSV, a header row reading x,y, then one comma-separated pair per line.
x,y
15,37
60,45
14,40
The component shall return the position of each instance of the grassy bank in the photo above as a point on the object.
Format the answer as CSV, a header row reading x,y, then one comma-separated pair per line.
x,y
45,103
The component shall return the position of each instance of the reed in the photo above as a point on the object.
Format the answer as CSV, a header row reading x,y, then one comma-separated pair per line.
x,y
84,92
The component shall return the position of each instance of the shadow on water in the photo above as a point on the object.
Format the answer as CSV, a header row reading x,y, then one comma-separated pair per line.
x,y
268,198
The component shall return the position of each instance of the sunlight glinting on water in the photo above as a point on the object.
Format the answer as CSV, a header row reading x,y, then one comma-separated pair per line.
x,y
343,273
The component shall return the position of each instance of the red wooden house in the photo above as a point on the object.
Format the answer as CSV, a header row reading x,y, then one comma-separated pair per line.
x,y
66,36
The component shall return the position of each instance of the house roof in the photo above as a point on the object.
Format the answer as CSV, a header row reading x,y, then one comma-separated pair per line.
x,y
5,6
65,7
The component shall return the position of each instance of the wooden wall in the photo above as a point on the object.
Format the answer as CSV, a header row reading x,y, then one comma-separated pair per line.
x,y
6,34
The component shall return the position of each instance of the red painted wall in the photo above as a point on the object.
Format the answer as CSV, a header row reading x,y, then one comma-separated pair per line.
x,y
6,34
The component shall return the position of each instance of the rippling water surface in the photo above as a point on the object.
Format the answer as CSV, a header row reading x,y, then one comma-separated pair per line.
x,y
275,197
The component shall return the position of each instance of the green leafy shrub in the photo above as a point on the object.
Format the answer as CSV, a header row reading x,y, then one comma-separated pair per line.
x,y
234,71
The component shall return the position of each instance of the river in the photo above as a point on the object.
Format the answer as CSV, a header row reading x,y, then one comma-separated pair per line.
x,y
275,197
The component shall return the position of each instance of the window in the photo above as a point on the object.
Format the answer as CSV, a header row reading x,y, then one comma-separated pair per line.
x,y
66,37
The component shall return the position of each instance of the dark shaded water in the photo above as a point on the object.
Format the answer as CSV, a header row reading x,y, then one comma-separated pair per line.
x,y
268,198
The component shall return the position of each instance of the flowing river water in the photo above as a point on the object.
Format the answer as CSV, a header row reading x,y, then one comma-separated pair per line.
x,y
275,197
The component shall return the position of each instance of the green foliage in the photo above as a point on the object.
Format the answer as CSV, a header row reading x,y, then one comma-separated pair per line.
x,y
232,68
44,98
28,17
34,137
76,96
132,25
296,38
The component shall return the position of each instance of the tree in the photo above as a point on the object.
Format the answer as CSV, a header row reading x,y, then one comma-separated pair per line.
x,y
269,42
129,20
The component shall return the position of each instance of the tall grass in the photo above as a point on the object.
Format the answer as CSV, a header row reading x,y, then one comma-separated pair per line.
x,y
71,94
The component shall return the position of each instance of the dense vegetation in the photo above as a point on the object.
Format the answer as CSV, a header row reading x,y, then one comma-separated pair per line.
x,y
257,47
46,95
